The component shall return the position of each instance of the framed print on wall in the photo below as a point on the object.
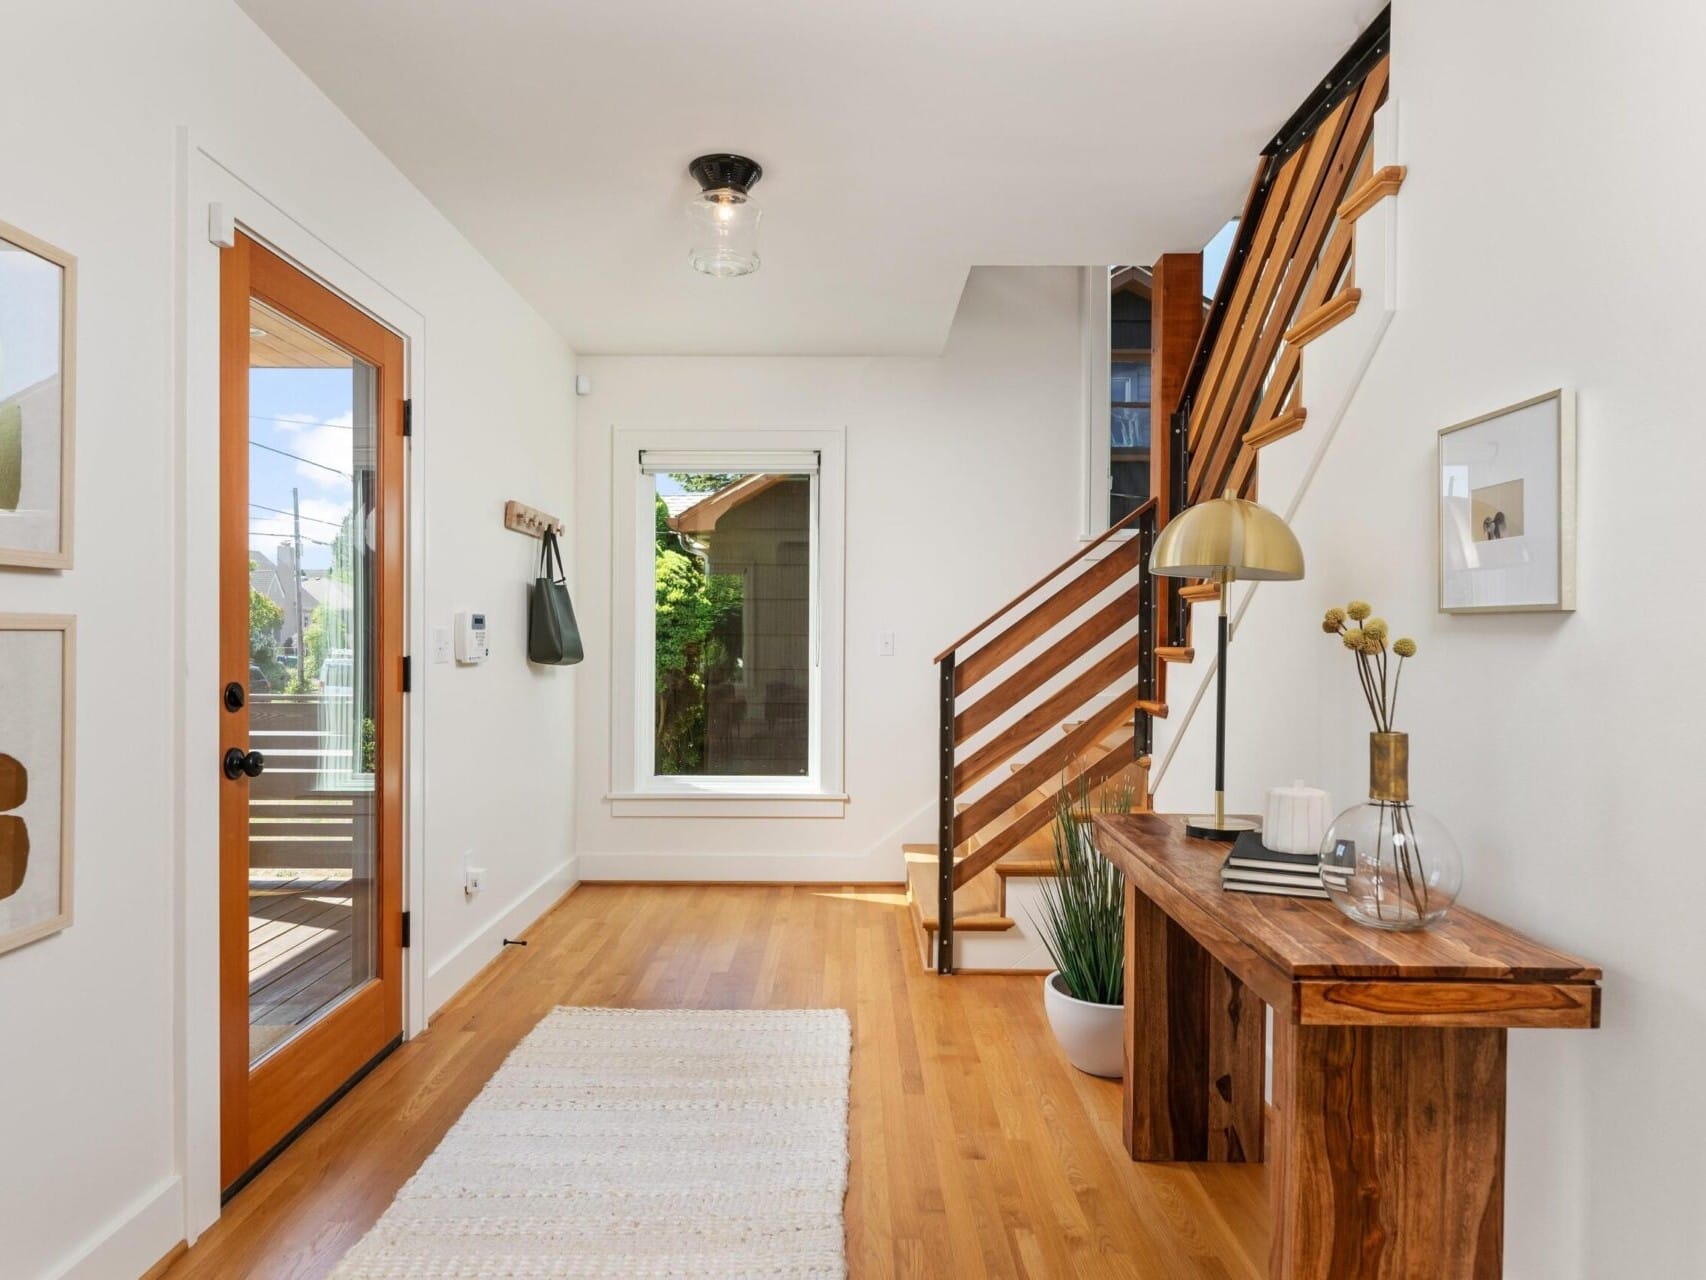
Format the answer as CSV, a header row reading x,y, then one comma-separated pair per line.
x,y
38,325
38,662
1507,509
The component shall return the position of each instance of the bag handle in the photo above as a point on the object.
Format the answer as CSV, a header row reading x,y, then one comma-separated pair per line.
x,y
547,553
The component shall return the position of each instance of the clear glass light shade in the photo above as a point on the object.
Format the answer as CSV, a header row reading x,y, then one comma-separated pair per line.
x,y
1392,866
725,232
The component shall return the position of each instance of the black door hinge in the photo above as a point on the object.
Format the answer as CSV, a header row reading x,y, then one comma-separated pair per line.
x,y
408,418
408,674
405,928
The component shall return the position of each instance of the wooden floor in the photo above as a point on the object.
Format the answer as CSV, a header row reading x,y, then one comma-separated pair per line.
x,y
301,951
976,1150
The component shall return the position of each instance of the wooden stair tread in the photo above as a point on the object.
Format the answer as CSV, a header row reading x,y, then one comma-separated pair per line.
x,y
1175,653
1383,182
1200,591
1277,427
1311,326
976,904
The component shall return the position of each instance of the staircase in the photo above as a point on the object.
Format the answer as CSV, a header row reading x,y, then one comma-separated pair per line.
x,y
1061,686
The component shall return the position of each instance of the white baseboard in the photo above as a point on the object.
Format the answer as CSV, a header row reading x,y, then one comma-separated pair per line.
x,y
878,866
133,1240
458,968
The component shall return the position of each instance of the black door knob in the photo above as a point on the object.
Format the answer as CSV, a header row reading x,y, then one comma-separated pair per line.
x,y
239,762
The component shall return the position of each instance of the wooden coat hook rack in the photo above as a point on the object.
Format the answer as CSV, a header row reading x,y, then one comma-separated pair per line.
x,y
530,520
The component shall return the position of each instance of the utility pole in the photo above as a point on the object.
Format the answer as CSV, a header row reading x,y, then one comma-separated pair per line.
x,y
296,520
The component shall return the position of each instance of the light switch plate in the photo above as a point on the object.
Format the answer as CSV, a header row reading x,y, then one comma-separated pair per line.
x,y
441,644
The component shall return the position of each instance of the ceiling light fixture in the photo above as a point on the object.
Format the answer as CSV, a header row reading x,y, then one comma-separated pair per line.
x,y
724,216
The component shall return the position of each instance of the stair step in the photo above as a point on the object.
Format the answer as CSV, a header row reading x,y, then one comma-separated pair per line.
x,y
976,905
1175,653
1277,427
1197,592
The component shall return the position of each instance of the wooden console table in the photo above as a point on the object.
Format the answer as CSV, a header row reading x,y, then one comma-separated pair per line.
x,y
1387,1156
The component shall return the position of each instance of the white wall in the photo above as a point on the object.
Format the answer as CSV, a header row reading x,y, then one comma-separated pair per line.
x,y
90,1173
963,478
1543,238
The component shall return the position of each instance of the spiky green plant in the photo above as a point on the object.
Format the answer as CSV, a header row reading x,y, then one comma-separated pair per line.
x,y
1083,907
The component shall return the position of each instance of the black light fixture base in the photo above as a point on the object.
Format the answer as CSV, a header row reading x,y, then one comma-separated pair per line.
x,y
724,169
1206,827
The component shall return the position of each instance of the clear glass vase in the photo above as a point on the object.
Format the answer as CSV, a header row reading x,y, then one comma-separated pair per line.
x,y
1389,863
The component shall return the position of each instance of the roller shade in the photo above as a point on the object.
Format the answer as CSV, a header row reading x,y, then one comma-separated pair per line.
x,y
793,462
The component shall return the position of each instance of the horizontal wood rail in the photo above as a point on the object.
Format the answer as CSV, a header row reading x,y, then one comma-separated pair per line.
x,y
1311,326
1040,814
1050,613
1047,664
1119,526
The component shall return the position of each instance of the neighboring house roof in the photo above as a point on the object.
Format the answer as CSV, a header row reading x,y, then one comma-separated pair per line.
x,y
702,515
676,503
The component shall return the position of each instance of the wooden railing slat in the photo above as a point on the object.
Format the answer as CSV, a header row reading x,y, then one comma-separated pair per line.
x,y
1045,715
1047,664
1053,760
1124,522
973,667
1219,468
1041,814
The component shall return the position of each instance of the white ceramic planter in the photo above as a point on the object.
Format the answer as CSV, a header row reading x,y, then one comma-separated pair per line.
x,y
1091,1034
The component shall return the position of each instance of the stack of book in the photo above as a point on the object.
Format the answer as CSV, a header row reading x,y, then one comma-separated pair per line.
x,y
1251,867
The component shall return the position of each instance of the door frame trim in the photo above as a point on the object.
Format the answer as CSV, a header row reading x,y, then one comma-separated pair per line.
x,y
203,180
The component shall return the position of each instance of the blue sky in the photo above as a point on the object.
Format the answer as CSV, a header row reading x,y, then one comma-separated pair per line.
x,y
1214,255
305,413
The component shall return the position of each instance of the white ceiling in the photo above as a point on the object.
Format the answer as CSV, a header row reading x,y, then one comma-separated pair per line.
x,y
902,143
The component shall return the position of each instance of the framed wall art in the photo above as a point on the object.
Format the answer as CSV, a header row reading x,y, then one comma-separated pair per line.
x,y
1507,509
38,326
37,730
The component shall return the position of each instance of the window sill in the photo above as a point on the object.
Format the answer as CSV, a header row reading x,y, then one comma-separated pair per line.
x,y
726,804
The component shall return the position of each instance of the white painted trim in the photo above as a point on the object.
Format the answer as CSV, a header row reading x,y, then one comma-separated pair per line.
x,y
644,805
202,180
1096,414
462,965
133,1240
631,639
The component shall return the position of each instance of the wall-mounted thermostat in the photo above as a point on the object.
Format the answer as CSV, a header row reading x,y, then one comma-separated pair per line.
x,y
471,643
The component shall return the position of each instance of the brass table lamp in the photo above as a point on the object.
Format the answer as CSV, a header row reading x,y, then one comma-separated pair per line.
x,y
1225,540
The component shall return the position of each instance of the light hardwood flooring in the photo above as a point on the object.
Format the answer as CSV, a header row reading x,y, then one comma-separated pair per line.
x,y
976,1150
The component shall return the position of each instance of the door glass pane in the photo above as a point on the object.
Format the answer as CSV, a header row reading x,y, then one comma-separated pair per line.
x,y
312,486
733,638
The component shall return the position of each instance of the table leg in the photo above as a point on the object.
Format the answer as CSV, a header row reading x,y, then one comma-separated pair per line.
x,y
1194,1047
1388,1158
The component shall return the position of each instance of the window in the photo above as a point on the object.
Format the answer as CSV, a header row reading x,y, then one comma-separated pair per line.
x,y
733,688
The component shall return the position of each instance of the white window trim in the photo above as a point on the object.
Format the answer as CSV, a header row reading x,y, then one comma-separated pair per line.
x,y
1095,321
634,792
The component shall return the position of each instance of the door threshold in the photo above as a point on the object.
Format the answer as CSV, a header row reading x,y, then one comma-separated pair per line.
x,y
254,1170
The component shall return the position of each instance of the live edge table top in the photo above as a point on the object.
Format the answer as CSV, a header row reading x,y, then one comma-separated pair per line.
x,y
1315,966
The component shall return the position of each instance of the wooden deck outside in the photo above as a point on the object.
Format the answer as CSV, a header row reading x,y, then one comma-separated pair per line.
x,y
301,949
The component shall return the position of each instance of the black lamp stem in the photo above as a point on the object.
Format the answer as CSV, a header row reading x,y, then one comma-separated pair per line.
x,y
1220,720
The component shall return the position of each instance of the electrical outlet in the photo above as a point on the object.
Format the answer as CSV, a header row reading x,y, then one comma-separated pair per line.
x,y
473,880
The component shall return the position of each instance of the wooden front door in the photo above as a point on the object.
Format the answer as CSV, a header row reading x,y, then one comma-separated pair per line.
x,y
309,699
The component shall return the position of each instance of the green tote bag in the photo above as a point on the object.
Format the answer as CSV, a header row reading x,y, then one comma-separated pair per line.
x,y
553,639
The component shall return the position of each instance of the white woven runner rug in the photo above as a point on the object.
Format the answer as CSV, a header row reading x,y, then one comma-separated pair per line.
x,y
637,1142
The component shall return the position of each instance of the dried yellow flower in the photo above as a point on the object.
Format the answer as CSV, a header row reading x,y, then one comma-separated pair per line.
x,y
1370,644
1404,647
1331,627
1359,609
1377,629
1354,640
1335,618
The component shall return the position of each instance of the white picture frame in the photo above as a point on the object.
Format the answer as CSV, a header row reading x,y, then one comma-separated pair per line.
x,y
38,703
38,380
1505,485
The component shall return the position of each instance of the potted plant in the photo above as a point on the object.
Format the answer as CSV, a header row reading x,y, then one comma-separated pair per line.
x,y
1083,928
